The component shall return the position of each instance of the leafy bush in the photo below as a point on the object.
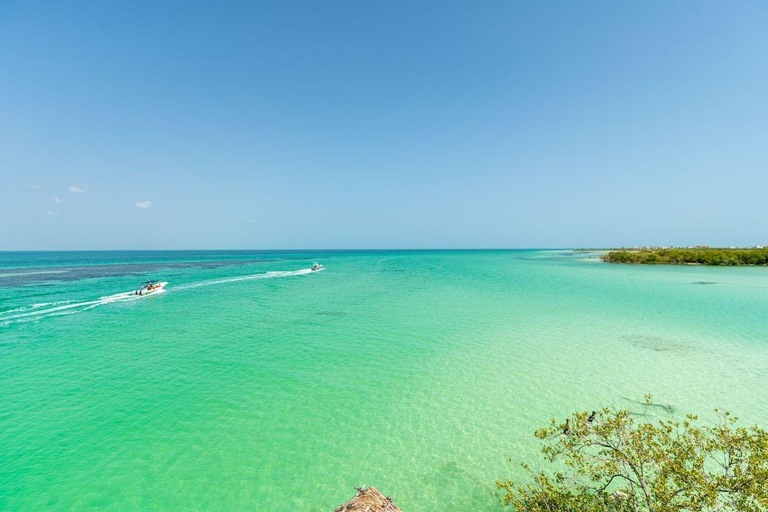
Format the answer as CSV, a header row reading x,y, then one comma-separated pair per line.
x,y
690,256
614,462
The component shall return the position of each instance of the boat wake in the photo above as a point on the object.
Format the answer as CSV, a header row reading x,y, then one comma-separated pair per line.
x,y
37,312
267,275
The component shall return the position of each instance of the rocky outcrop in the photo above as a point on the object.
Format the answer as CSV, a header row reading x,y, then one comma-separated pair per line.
x,y
368,499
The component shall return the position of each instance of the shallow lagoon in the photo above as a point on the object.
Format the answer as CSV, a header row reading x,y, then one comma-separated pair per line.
x,y
416,372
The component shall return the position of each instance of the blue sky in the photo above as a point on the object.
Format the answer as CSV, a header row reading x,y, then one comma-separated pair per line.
x,y
362,124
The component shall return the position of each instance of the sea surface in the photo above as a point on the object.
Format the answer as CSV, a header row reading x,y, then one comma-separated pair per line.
x,y
253,384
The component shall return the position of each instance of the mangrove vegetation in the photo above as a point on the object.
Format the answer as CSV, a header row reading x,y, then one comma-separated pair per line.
x,y
692,256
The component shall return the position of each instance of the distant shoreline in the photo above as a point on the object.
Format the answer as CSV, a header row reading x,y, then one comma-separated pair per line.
x,y
730,257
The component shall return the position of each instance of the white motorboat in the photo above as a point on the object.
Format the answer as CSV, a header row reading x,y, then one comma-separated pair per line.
x,y
150,287
316,267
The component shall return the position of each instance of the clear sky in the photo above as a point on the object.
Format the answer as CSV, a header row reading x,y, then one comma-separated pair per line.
x,y
372,124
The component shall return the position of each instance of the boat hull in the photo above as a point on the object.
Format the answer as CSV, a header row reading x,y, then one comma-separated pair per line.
x,y
159,287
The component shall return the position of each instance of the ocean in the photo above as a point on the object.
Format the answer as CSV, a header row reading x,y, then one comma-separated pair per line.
x,y
252,383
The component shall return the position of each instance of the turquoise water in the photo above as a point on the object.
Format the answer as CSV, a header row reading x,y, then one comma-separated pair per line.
x,y
252,384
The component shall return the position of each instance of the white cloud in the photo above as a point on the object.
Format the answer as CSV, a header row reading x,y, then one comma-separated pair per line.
x,y
251,220
34,187
58,200
75,189
143,204
174,216
51,213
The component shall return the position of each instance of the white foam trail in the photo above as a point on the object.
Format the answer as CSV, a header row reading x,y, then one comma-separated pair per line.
x,y
48,309
34,306
3,323
72,305
267,275
44,304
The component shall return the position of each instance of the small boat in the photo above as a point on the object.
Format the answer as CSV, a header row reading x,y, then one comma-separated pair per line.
x,y
316,267
149,287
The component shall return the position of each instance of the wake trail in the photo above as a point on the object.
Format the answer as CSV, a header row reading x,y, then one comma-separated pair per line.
x,y
36,312
268,275
33,312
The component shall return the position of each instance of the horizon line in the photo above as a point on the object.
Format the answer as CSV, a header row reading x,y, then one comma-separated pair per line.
x,y
315,249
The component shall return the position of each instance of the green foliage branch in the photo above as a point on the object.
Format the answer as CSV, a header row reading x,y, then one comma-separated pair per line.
x,y
727,257
612,461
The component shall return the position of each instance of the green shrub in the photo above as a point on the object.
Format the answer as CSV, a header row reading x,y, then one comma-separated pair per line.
x,y
617,463
690,256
